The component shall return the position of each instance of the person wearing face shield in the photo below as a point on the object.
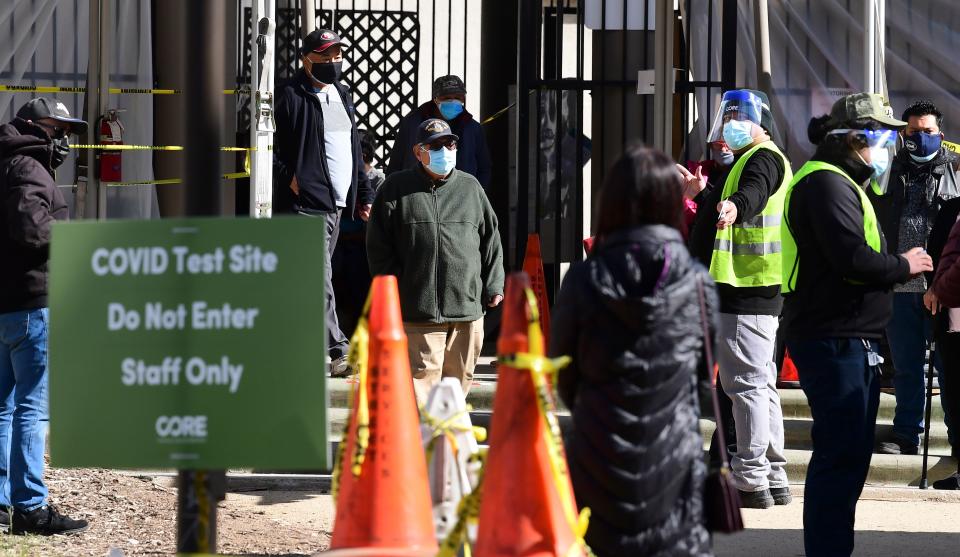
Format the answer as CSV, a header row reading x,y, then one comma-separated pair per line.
x,y
736,234
448,104
318,162
918,209
434,229
837,285
31,147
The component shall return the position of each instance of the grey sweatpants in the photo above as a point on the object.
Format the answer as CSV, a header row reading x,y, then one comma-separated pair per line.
x,y
745,355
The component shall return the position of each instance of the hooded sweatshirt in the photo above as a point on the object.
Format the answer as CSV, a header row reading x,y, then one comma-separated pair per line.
x,y
30,203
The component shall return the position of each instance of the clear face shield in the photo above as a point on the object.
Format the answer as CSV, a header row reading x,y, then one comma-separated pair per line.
x,y
739,112
882,144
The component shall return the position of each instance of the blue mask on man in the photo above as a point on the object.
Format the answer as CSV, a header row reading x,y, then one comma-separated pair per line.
x,y
450,109
922,146
442,161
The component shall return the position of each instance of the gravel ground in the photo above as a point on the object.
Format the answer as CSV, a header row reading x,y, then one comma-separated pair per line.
x,y
136,515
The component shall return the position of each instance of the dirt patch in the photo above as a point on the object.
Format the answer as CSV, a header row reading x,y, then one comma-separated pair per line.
x,y
137,516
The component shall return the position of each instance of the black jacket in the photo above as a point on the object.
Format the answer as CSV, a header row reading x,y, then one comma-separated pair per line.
x,y
472,154
826,217
943,193
31,203
761,178
630,319
299,151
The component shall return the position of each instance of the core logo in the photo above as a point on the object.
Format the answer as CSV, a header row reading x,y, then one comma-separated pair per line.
x,y
194,427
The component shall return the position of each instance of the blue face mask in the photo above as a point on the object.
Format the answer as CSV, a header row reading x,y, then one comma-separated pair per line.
x,y
442,161
450,109
879,161
922,146
737,134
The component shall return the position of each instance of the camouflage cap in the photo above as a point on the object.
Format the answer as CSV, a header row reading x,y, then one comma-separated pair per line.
x,y
865,105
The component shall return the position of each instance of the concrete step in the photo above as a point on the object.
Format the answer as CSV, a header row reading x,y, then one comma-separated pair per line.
x,y
793,401
796,434
795,405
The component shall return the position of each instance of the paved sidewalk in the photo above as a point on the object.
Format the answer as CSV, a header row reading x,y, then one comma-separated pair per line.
x,y
891,522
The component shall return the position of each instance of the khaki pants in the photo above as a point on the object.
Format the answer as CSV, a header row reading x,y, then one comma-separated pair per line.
x,y
440,350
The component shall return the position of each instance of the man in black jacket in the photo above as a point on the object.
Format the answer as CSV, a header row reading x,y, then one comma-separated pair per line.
x,y
449,98
317,161
923,183
31,146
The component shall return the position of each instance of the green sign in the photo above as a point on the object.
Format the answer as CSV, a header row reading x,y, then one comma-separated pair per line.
x,y
195,343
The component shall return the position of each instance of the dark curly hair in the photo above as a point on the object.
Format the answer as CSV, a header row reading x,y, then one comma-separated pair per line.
x,y
923,108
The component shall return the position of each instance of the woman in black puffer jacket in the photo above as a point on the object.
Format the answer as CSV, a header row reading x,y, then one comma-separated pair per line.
x,y
629,316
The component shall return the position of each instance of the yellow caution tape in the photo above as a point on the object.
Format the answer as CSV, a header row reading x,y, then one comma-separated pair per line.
x,y
540,367
468,511
113,90
168,181
447,428
106,147
358,359
955,147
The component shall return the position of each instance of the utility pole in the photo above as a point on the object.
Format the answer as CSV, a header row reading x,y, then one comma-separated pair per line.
x,y
199,491
262,125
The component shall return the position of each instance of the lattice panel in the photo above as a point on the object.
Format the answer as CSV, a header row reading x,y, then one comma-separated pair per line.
x,y
382,63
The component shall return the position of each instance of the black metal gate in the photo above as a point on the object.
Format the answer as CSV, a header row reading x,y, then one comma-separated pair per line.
x,y
578,64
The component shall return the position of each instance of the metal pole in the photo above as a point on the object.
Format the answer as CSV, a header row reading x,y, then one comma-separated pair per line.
x,y
524,17
103,93
90,202
761,21
870,46
309,16
200,490
663,78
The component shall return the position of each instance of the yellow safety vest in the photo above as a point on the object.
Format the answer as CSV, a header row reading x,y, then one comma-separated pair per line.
x,y
749,253
791,261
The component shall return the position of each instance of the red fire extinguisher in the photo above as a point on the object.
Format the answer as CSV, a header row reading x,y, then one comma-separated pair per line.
x,y
111,133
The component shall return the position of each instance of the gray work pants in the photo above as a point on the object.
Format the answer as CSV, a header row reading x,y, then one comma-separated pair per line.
x,y
338,344
745,355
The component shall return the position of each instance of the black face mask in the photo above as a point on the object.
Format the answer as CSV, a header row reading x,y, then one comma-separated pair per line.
x,y
61,148
327,72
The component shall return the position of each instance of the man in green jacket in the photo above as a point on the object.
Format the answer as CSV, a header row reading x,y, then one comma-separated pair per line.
x,y
433,227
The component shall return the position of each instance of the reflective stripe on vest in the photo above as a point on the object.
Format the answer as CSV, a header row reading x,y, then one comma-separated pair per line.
x,y
749,253
791,260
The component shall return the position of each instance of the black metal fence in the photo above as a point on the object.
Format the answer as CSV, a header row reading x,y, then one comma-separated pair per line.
x,y
578,64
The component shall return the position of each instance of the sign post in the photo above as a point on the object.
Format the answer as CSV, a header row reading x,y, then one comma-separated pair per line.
x,y
194,344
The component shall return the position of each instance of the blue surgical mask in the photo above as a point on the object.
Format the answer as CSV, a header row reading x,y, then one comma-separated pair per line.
x,y
450,109
737,134
879,160
442,161
922,146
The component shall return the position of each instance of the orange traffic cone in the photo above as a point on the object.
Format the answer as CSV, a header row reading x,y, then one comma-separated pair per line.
x,y
527,506
383,499
533,267
788,372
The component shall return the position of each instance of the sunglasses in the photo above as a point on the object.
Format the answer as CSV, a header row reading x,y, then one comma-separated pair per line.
x,y
873,138
450,144
57,131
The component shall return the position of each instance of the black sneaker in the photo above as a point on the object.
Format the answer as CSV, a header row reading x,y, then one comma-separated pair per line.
x,y
46,521
756,499
898,446
951,483
781,495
